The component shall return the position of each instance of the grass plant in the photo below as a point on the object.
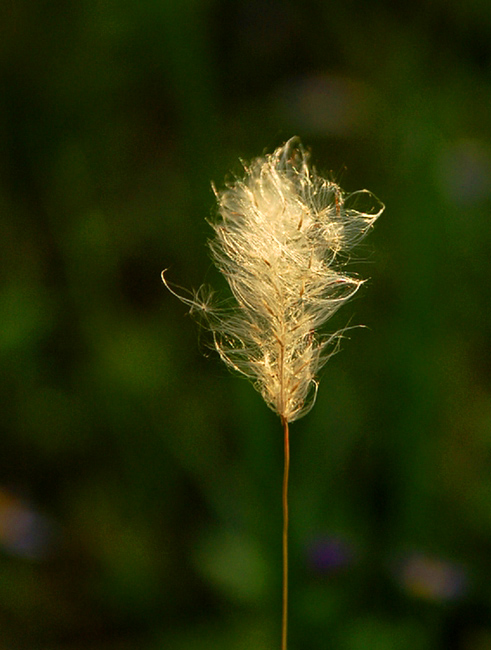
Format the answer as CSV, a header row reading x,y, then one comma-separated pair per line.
x,y
282,241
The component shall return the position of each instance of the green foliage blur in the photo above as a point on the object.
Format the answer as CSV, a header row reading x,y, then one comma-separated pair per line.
x,y
140,482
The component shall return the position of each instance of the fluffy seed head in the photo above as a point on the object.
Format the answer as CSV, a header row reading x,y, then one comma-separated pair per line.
x,y
281,243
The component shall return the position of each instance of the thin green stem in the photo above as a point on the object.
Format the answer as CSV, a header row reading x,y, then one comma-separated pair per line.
x,y
286,471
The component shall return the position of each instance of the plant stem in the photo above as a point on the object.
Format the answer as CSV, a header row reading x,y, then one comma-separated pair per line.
x,y
286,471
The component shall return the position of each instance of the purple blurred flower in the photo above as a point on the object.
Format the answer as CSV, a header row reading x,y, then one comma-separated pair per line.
x,y
329,554
464,172
327,104
23,531
432,578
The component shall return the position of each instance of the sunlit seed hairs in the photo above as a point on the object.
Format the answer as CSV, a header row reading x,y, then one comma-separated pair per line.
x,y
281,243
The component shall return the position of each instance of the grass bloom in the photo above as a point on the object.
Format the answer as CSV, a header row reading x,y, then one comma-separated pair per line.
x,y
282,241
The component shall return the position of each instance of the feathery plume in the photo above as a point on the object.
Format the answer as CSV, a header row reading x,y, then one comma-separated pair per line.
x,y
281,243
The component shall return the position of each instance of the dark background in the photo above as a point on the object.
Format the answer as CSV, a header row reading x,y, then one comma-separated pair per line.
x,y
140,482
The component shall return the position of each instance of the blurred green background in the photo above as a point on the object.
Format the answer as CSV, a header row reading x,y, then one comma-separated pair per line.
x,y
140,482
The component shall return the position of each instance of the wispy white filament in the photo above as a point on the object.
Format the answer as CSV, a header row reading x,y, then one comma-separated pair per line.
x,y
281,242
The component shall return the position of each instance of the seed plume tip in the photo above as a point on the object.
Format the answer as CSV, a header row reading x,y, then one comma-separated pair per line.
x,y
281,240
